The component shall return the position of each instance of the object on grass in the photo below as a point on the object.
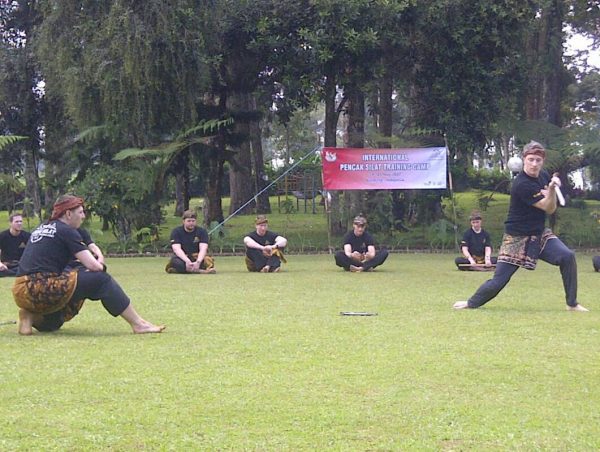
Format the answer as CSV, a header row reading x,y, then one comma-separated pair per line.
x,y
363,314
8,322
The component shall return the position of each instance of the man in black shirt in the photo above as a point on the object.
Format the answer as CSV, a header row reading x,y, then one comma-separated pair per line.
x,y
264,248
12,243
359,249
476,247
532,196
189,242
49,293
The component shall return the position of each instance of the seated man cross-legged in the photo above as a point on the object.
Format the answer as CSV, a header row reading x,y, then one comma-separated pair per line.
x,y
359,249
476,247
264,248
190,245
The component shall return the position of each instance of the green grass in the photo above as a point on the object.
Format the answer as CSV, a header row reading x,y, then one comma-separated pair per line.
x,y
265,362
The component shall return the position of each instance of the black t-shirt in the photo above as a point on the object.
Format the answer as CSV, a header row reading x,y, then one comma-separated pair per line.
x,y
264,240
50,248
12,246
523,218
359,244
85,236
476,242
189,241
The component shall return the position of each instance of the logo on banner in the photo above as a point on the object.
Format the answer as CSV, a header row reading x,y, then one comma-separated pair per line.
x,y
330,156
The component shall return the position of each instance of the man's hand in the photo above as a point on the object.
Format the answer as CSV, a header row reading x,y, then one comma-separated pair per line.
x,y
3,267
471,260
189,267
358,257
488,261
555,181
267,251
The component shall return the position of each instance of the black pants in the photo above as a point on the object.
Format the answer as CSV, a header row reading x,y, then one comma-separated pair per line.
x,y
555,252
341,260
260,260
93,286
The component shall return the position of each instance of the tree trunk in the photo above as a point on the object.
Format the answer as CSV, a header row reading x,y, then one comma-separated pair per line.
x,y
545,88
553,19
355,136
32,180
384,127
240,170
263,205
213,209
182,184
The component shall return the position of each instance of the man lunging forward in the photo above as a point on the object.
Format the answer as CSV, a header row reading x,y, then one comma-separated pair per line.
x,y
533,195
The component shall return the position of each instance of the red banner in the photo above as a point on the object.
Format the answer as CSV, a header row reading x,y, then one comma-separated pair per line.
x,y
366,169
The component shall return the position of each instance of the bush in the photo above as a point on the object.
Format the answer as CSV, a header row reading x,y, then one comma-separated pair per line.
x,y
124,196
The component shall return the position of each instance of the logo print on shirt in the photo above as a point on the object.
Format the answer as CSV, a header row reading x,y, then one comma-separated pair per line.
x,y
45,230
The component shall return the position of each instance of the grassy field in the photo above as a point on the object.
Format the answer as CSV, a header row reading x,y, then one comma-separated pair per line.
x,y
265,362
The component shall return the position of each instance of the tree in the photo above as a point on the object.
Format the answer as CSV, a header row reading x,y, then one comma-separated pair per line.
x,y
20,99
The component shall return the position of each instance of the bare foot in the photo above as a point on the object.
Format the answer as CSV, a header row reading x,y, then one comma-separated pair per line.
x,y
209,271
145,327
577,308
461,305
355,269
25,323
277,270
265,269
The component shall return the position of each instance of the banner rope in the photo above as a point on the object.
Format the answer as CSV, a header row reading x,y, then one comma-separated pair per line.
x,y
452,200
254,197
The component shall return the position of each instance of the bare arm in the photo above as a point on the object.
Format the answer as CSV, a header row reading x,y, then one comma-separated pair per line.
x,y
96,251
89,261
467,254
348,250
548,203
488,255
176,247
280,242
250,243
202,250
370,254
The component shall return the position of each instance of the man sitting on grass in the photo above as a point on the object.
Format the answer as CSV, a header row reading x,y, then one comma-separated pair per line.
x,y
189,242
359,249
476,247
264,248
12,243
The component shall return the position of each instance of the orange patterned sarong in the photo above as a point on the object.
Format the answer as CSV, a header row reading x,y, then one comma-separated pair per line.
x,y
44,293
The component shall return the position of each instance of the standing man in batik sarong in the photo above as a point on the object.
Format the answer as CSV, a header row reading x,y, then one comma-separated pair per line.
x,y
533,195
49,292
